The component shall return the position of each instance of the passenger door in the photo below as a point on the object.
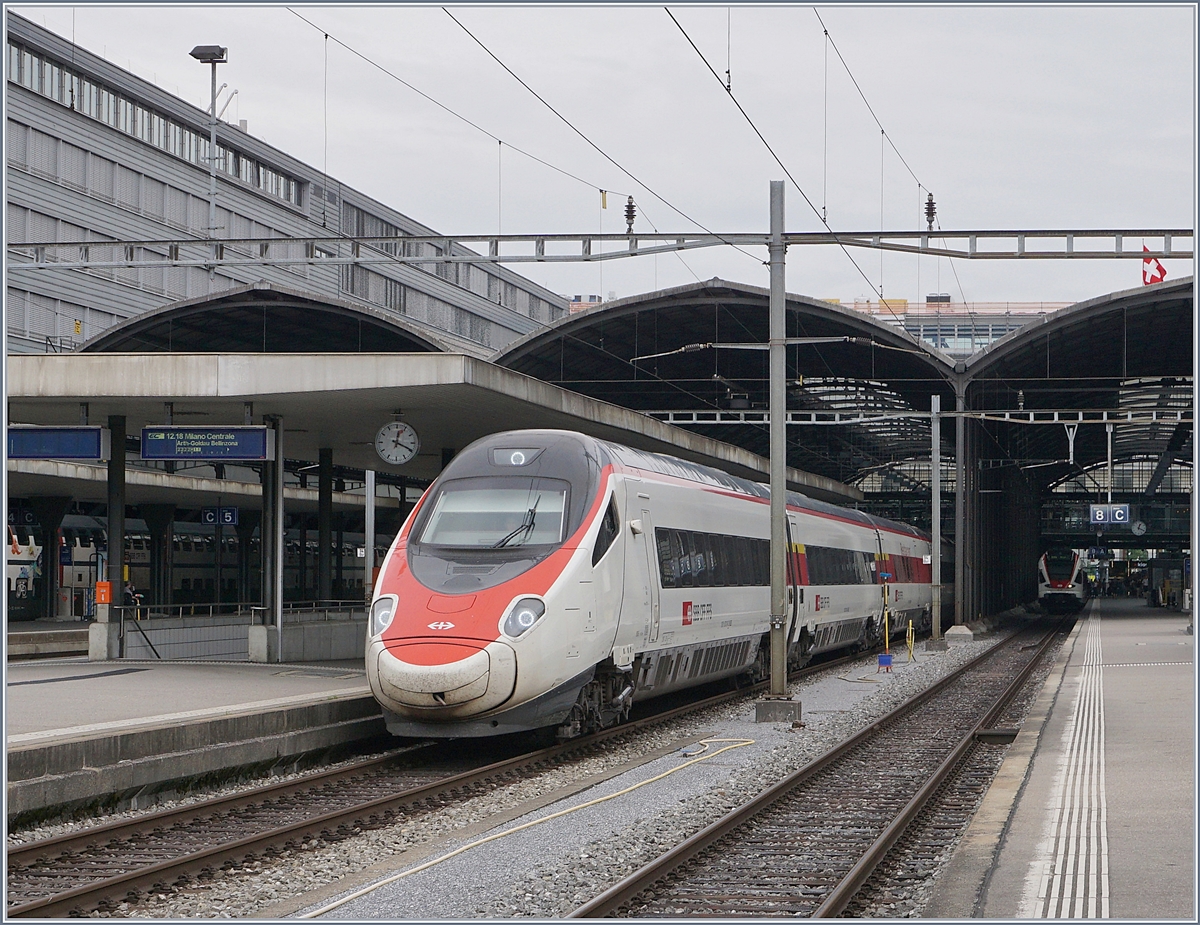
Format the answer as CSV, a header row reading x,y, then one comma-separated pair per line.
x,y
651,572
608,575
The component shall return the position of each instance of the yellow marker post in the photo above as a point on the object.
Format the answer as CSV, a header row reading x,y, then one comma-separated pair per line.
x,y
911,638
885,660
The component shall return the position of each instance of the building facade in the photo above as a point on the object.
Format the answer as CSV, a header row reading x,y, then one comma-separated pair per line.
x,y
958,329
98,155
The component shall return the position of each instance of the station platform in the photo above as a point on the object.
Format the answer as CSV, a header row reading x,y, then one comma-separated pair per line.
x,y
78,731
46,639
1093,812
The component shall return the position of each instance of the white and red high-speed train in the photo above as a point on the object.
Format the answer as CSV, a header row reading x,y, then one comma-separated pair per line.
x,y
547,578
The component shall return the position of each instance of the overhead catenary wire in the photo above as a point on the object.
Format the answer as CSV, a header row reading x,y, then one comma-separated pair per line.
x,y
479,128
589,141
920,186
783,166
850,74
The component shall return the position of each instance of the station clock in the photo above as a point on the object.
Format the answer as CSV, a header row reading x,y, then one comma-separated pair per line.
x,y
397,442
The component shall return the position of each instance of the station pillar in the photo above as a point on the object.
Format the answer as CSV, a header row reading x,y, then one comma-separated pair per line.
x,y
325,525
248,522
160,518
49,512
116,507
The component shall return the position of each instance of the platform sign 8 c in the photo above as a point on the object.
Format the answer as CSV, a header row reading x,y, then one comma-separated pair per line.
x,y
1109,513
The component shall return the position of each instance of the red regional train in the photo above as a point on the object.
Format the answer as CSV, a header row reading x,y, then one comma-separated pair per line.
x,y
1062,584
549,579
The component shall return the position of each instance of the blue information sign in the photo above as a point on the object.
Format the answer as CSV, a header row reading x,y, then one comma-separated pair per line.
x,y
225,516
57,442
207,443
1109,513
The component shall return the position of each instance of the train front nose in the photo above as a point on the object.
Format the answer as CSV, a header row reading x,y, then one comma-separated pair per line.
x,y
442,680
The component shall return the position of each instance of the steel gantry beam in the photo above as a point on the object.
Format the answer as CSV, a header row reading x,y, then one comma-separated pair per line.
x,y
1095,244
1066,416
1102,244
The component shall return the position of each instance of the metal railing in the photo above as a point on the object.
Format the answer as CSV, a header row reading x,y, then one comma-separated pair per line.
x,y
212,631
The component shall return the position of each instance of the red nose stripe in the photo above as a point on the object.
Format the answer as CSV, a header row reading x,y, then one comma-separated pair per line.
x,y
432,653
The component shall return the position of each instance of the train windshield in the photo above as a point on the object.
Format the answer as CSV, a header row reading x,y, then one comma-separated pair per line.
x,y
1060,564
498,513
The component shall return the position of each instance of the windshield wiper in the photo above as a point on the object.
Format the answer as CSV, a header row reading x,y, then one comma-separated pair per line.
x,y
526,526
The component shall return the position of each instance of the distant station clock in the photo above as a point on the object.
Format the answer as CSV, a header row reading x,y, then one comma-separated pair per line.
x,y
397,443
1138,528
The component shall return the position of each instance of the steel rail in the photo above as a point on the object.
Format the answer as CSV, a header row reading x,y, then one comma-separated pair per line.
x,y
622,892
31,852
839,897
332,824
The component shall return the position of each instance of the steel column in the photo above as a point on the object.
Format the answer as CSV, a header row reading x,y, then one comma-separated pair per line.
x,y
324,524
116,506
267,535
778,435
160,518
49,512
960,527
1109,428
369,536
277,530
935,407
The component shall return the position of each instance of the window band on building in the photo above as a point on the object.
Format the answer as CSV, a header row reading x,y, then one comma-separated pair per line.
x,y
57,82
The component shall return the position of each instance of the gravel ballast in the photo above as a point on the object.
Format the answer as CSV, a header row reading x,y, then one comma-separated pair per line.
x,y
549,869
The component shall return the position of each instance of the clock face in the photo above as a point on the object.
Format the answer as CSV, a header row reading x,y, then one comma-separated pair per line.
x,y
1138,528
397,443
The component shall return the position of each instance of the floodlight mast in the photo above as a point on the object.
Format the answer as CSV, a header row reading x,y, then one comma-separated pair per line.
x,y
212,55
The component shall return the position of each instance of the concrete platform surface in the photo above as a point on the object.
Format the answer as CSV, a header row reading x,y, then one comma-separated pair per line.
x,y
80,731
1093,813
69,698
46,639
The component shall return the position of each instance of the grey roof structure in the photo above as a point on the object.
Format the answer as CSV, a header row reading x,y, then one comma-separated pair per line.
x,y
97,155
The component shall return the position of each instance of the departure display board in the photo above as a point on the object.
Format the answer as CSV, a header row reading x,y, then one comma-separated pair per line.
x,y
58,442
181,443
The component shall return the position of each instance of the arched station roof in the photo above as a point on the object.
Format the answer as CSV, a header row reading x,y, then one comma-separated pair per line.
x,y
597,352
264,318
1129,350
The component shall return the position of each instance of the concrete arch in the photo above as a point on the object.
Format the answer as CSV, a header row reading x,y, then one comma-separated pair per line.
x,y
264,318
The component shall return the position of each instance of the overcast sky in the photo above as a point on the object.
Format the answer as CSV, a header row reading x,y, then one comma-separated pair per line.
x,y
1015,118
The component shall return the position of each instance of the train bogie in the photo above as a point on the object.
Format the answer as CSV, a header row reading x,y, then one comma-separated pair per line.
x,y
549,579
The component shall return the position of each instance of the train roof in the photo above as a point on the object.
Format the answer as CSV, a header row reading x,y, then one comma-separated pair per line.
x,y
706,475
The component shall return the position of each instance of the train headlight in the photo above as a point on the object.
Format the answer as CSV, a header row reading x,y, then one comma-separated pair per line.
x,y
382,612
524,614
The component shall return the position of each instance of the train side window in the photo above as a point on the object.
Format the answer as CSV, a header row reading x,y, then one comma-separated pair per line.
x,y
699,542
684,554
608,532
742,562
712,544
763,550
717,558
667,570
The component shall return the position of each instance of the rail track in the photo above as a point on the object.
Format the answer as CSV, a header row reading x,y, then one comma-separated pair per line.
x,y
102,866
807,845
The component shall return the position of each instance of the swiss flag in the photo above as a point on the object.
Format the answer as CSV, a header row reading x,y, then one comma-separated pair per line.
x,y
1152,270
